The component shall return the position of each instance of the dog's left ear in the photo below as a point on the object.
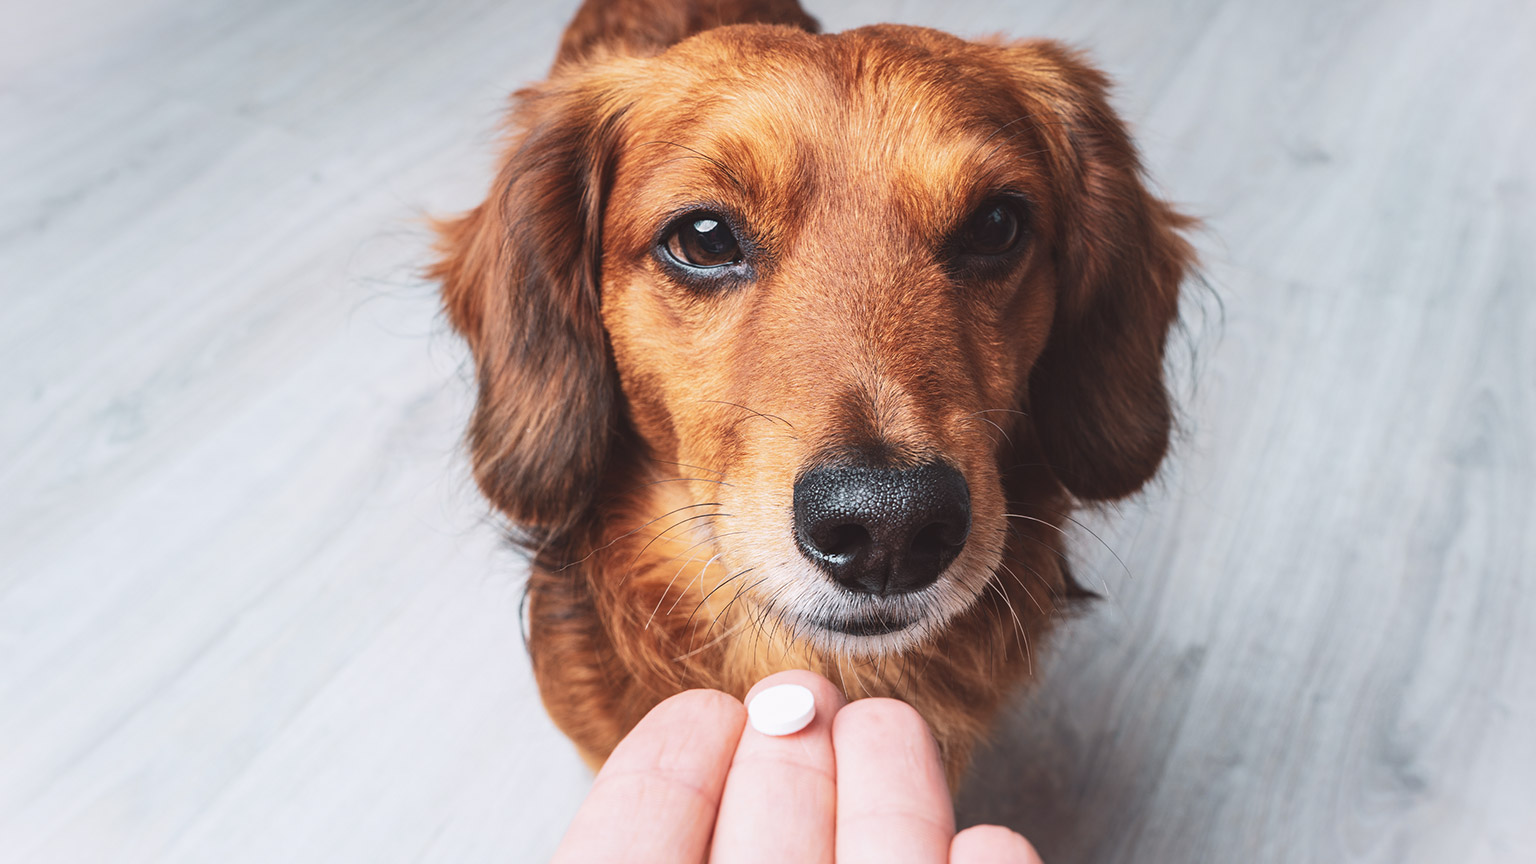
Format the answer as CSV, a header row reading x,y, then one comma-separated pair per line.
x,y
1097,395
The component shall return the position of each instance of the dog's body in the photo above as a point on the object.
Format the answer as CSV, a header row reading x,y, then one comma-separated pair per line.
x,y
798,350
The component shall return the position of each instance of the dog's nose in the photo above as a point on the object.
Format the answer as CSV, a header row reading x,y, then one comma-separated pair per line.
x,y
882,530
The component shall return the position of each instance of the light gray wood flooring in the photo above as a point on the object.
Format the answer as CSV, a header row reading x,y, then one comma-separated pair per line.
x,y
251,609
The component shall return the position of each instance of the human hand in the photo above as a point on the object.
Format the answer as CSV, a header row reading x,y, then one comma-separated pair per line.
x,y
863,780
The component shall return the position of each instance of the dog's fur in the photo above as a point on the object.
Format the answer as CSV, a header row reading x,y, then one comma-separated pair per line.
x,y
643,434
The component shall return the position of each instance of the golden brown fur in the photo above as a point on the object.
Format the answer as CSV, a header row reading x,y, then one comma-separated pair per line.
x,y
643,435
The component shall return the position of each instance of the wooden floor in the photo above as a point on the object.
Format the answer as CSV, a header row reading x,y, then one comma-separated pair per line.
x,y
252,610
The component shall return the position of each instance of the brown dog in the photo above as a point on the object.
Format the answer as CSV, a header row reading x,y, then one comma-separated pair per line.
x,y
796,350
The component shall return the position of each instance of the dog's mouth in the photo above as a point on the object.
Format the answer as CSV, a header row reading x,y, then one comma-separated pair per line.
x,y
854,625
866,625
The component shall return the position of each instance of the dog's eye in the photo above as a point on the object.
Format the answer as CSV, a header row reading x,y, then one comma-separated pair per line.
x,y
993,229
703,240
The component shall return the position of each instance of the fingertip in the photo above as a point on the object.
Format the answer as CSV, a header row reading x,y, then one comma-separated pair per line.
x,y
829,699
700,706
989,844
691,734
695,729
881,719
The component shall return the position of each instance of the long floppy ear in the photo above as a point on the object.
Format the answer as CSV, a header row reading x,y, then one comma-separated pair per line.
x,y
520,283
1096,394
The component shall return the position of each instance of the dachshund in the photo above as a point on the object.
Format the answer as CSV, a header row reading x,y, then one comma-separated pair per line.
x,y
798,350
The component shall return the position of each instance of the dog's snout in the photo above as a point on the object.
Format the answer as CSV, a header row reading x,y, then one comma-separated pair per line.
x,y
882,530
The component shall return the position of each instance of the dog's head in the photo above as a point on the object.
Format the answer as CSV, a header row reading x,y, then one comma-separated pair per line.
x,y
850,280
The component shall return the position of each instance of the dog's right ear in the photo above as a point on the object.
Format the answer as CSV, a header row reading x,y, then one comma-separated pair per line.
x,y
520,283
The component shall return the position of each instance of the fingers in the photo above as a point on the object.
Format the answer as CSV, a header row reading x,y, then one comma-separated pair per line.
x,y
892,801
656,798
991,844
779,802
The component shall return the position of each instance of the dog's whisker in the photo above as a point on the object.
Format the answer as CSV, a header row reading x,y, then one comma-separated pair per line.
x,y
632,571
632,532
686,465
991,644
765,416
768,609
1079,523
699,578
650,483
999,130
770,606
1013,137
999,145
709,595
1025,588
739,590
902,677
860,681
922,673
724,634
1018,625
1058,529
668,589
710,539
779,621
674,525
790,627
1103,583
1058,600
730,175
1004,432
1060,555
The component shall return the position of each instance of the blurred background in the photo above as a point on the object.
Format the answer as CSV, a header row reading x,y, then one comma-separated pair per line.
x,y
252,609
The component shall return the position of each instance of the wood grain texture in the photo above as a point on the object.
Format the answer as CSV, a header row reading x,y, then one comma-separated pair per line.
x,y
251,608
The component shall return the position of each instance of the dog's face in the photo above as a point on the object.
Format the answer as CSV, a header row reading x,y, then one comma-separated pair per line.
x,y
851,281
820,281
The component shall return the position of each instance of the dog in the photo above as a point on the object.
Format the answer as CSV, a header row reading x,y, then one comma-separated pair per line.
x,y
798,351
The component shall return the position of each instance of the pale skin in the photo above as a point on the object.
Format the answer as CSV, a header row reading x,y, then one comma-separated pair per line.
x,y
862,783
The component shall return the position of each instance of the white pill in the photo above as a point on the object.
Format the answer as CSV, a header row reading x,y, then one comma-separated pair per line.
x,y
782,710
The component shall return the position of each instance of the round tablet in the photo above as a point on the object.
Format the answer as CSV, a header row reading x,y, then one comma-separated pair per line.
x,y
782,710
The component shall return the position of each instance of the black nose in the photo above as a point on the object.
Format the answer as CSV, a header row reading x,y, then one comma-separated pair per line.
x,y
882,530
